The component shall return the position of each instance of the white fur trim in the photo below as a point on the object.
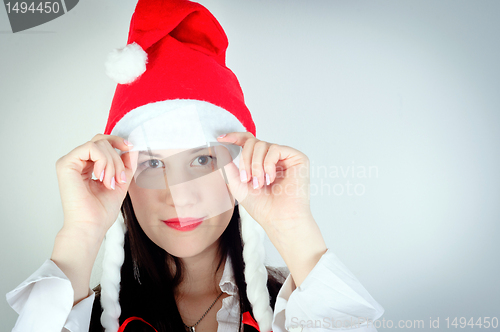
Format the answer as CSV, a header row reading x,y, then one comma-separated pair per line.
x,y
176,124
125,65
255,272
110,280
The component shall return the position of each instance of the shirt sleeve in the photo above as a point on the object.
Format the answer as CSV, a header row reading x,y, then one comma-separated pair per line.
x,y
330,298
44,303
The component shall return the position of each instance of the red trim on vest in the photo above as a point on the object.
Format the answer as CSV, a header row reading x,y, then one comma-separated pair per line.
x,y
128,320
247,320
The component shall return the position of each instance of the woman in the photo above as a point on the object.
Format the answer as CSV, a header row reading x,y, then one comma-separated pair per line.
x,y
179,254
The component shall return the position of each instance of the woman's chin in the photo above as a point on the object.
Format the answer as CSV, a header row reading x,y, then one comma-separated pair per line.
x,y
185,252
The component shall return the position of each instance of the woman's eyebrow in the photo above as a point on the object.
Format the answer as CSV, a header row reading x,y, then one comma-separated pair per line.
x,y
199,149
150,154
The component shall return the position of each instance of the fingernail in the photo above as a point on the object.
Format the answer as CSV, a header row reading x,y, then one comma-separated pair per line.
x,y
243,176
268,181
113,183
222,136
127,143
255,182
124,177
102,176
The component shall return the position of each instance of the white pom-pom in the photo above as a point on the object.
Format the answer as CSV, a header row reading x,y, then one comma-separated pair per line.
x,y
125,65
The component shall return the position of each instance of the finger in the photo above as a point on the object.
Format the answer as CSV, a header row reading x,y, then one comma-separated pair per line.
x,y
130,162
246,160
231,173
238,189
236,137
272,157
113,170
108,178
284,157
290,157
116,142
120,175
240,139
78,159
259,152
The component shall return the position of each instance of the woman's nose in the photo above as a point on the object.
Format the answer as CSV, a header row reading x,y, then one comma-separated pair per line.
x,y
181,190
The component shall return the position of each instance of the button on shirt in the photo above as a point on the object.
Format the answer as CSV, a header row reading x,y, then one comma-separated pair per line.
x,y
330,298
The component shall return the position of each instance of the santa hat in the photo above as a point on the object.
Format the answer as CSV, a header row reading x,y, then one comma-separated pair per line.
x,y
174,61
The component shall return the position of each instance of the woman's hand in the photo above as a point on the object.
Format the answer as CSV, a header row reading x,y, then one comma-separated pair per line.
x,y
282,206
284,201
93,205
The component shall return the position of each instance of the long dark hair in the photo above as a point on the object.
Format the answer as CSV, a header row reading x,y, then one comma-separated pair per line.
x,y
153,298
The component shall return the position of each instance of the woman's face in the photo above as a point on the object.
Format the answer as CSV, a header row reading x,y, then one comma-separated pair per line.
x,y
181,184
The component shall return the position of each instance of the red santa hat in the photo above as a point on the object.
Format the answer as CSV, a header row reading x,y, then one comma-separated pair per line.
x,y
175,59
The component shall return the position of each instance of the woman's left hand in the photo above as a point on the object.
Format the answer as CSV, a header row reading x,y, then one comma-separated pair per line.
x,y
284,201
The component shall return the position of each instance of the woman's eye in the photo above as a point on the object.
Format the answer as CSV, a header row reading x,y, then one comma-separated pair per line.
x,y
204,160
153,163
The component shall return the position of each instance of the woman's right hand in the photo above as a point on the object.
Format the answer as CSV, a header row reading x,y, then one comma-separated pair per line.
x,y
89,204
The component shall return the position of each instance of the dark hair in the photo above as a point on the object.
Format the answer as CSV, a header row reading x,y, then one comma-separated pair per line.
x,y
153,299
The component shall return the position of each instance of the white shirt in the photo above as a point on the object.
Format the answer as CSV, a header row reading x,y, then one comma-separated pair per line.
x,y
329,294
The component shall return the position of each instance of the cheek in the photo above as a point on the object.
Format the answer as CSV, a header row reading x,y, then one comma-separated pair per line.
x,y
143,205
216,196
217,225
141,201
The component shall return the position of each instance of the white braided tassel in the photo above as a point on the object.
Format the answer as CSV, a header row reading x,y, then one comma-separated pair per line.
x,y
110,280
255,270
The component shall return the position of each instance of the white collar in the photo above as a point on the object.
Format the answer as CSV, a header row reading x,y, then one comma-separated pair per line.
x,y
227,283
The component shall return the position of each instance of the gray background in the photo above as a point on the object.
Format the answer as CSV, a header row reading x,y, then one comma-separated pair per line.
x,y
408,87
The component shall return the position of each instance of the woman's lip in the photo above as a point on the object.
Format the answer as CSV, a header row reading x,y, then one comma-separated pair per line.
x,y
184,220
188,224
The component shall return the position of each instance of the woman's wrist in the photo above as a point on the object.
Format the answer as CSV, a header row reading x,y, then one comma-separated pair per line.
x,y
75,251
300,244
87,232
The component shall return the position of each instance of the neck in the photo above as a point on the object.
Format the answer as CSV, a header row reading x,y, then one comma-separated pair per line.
x,y
200,278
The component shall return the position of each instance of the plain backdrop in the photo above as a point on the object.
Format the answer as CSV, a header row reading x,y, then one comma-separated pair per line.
x,y
396,103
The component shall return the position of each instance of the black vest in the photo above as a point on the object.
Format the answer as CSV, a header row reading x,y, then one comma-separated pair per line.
x,y
273,286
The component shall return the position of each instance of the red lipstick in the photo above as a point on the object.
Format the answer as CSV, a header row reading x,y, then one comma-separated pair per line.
x,y
188,224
